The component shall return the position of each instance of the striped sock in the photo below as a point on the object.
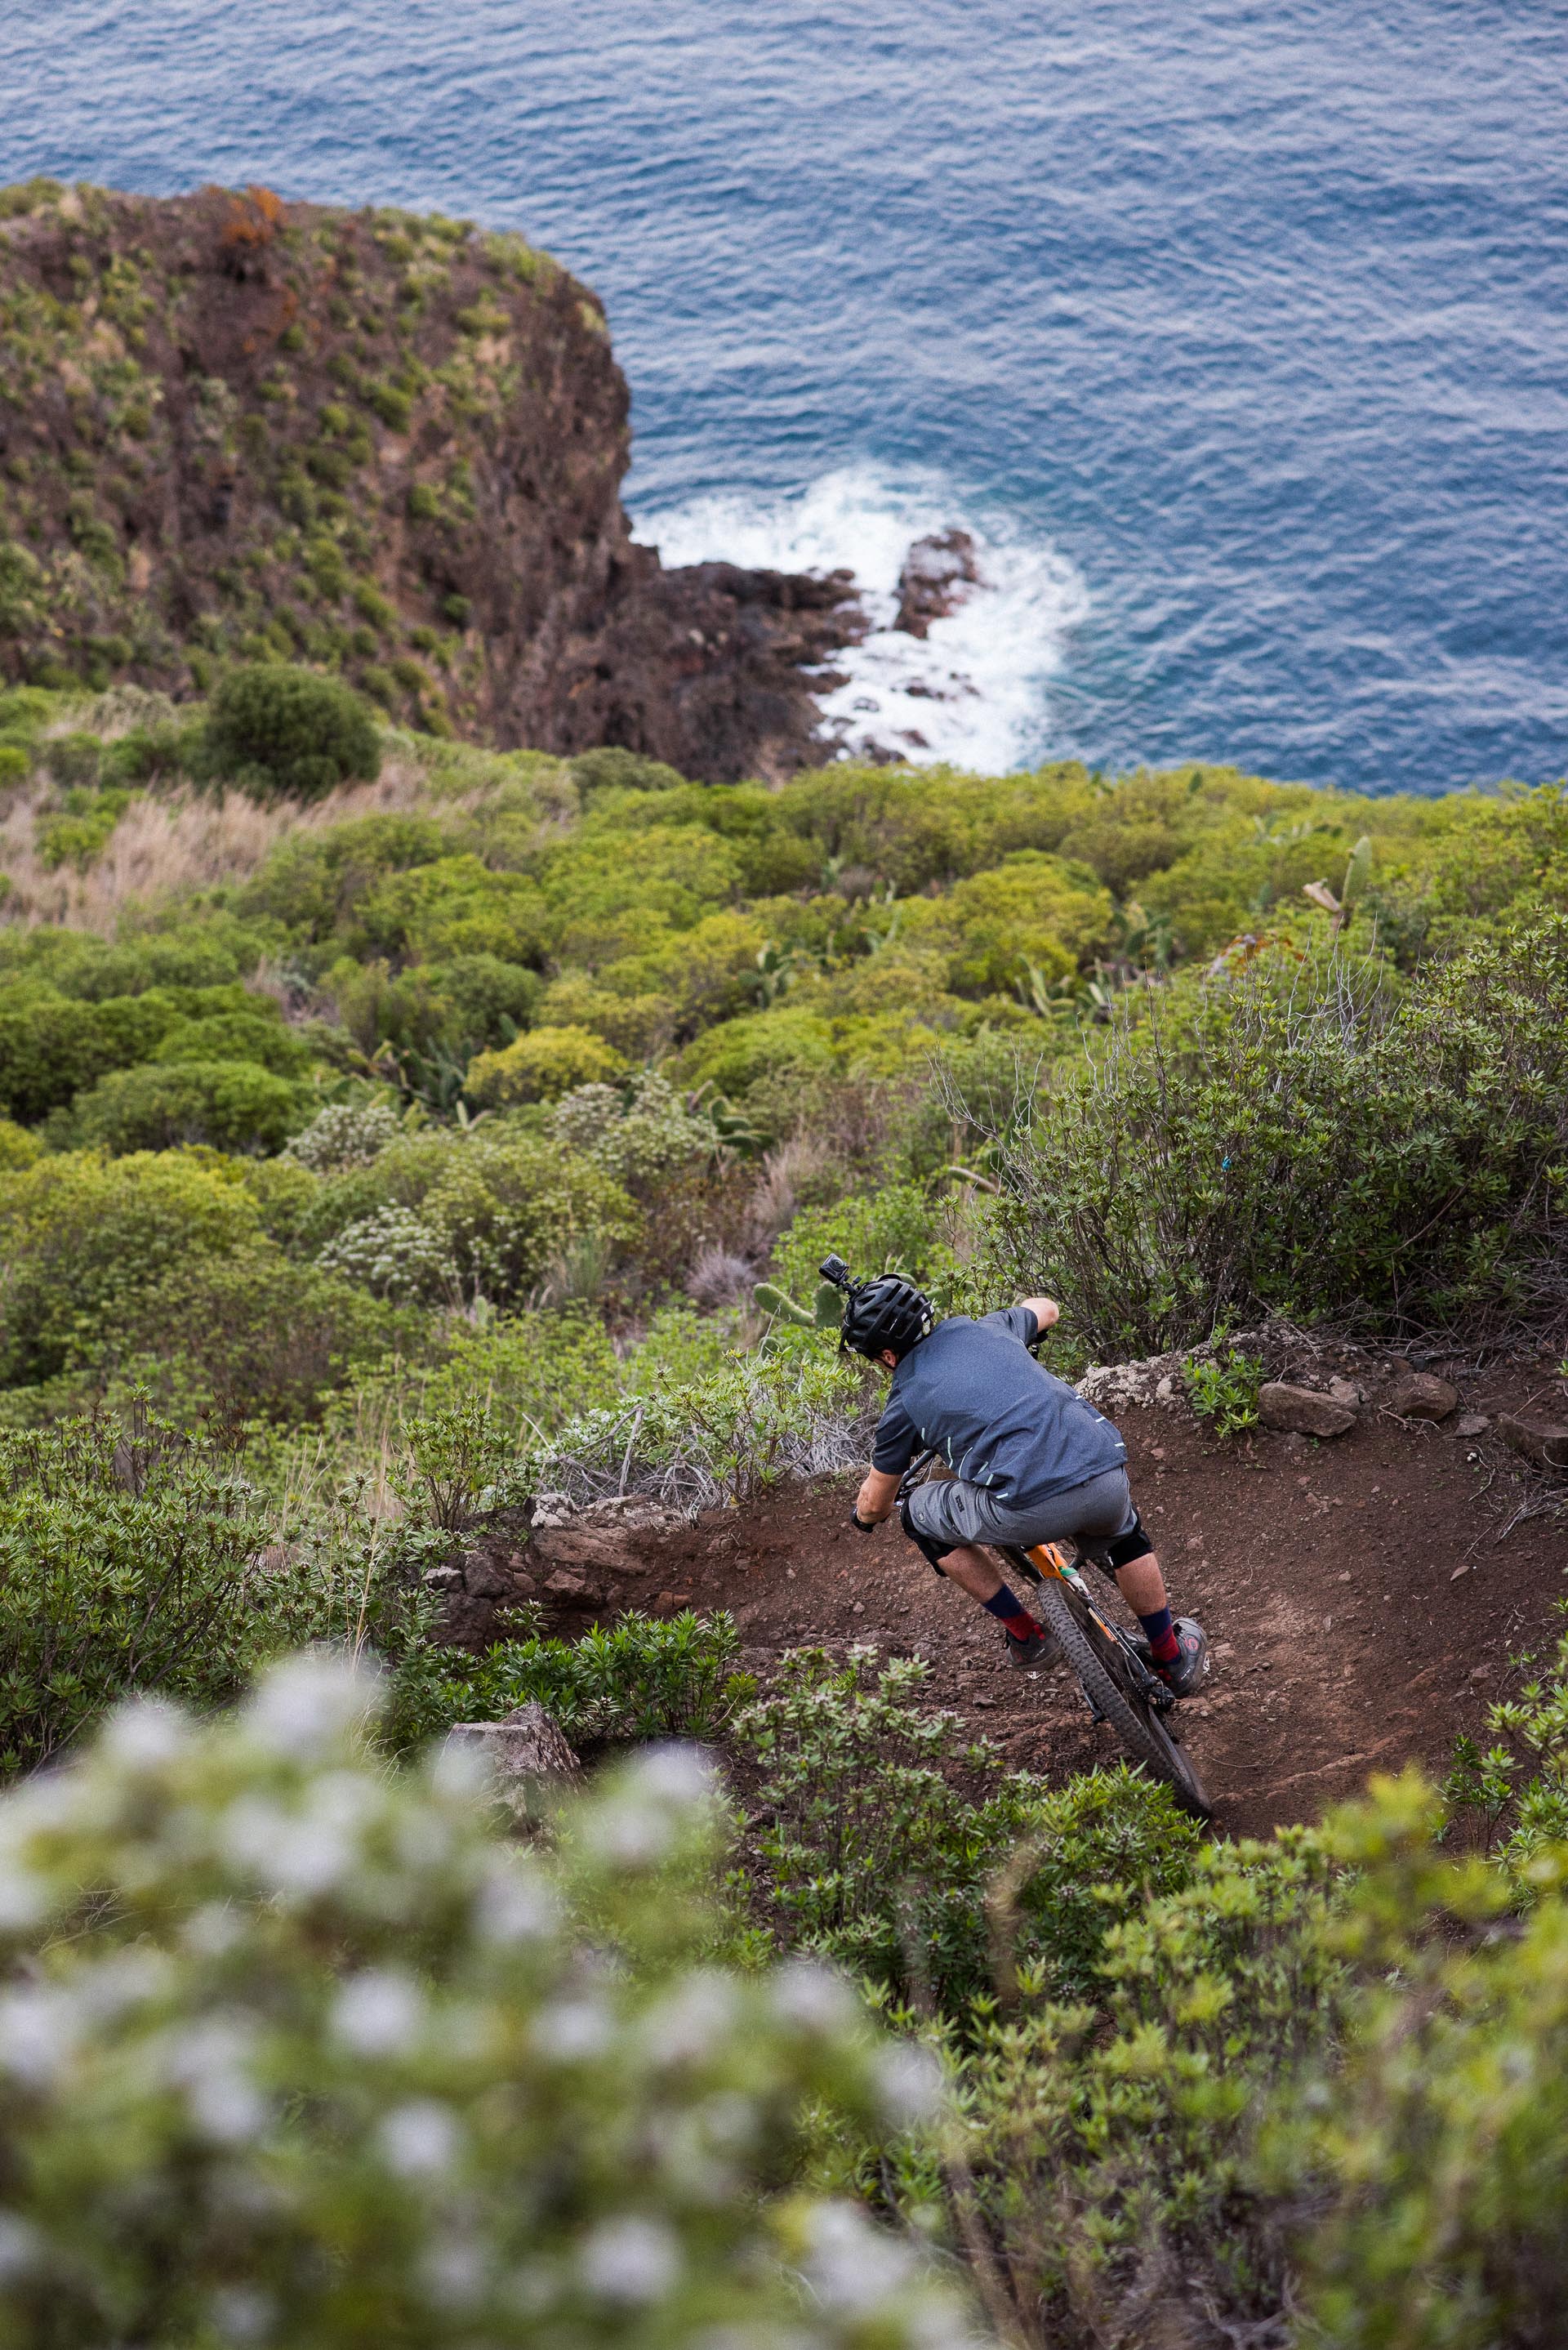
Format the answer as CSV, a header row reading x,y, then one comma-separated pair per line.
x,y
1015,1618
1160,1634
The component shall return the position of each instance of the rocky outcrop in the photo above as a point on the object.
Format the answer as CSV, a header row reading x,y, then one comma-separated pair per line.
x,y
937,573
391,445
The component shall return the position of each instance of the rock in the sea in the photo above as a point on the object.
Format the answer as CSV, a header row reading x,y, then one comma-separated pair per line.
x,y
1543,1444
525,1753
1302,1411
1418,1395
937,573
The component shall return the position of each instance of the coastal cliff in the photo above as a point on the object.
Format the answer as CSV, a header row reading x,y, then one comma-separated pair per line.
x,y
386,444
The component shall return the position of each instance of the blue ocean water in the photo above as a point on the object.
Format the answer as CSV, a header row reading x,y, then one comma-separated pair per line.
x,y
1236,331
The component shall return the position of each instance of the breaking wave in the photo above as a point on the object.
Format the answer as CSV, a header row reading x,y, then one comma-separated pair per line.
x,y
974,691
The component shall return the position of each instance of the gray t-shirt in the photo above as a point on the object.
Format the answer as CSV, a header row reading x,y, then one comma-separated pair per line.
x,y
974,1393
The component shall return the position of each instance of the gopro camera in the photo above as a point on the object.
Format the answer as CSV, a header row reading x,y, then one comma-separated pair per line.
x,y
833,1269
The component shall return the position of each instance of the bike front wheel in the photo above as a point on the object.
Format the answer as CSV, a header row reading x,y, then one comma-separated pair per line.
x,y
1100,1665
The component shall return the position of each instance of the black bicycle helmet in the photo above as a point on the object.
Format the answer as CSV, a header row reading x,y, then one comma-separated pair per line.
x,y
887,1312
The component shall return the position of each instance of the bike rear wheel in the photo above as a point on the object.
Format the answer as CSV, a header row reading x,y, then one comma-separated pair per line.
x,y
1102,1668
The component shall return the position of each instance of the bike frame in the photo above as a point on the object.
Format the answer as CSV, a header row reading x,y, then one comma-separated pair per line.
x,y
1048,1562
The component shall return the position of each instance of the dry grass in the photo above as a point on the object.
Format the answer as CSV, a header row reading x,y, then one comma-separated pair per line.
x,y
167,844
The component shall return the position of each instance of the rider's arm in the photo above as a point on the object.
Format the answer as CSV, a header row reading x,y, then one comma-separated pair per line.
x,y
877,1496
1046,1310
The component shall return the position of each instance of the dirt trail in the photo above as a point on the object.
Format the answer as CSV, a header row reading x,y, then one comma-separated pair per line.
x,y
1323,1573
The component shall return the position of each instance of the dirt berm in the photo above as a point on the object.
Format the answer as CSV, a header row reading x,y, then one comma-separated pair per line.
x,y
1366,1597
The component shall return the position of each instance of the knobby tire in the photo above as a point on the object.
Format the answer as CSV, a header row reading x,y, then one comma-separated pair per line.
x,y
1136,1723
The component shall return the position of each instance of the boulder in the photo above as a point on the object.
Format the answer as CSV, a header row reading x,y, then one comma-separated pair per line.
x,y
937,573
1418,1395
525,1753
1543,1444
1302,1411
1472,1423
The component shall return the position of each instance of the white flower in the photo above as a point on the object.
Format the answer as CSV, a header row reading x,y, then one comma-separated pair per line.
x,y
209,2062
307,1706
515,1904
571,2030
643,1815
376,2013
40,2031
850,2265
910,2081
693,2019
630,2260
242,2312
419,2138
144,1733
24,1897
813,1999
19,2245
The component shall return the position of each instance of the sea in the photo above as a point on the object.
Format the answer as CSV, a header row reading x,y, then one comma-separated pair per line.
x,y
1235,333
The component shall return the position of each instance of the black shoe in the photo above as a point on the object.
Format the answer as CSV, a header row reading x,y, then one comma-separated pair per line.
x,y
1029,1655
1182,1675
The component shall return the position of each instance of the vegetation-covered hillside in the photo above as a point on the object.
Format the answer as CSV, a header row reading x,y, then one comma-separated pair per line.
x,y
386,444
538,1032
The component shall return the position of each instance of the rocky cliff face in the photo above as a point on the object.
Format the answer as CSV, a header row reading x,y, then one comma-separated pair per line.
x,y
236,428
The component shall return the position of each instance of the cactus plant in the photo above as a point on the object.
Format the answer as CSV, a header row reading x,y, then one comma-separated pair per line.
x,y
825,1313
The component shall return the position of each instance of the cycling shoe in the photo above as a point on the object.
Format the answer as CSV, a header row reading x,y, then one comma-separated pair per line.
x,y
1029,1655
1188,1668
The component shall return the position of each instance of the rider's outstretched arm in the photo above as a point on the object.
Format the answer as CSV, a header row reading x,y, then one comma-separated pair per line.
x,y
1046,1310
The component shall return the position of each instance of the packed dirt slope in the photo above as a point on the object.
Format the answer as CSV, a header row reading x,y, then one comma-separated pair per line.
x,y
1366,1597
386,443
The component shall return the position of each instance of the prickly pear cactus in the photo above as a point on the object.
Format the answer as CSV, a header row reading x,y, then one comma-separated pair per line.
x,y
825,1313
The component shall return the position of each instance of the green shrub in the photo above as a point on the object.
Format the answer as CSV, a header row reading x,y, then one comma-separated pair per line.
x,y
636,1679
280,730
258,1036
541,1066
1222,1387
230,1105
256,1335
1295,1140
126,1563
1439,2142
333,2064
81,1238
875,1859
495,1207
50,1047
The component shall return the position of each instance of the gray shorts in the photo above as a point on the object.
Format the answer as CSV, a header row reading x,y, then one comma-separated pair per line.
x,y
945,1514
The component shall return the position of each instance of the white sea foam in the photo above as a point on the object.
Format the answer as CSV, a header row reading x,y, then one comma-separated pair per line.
x,y
974,691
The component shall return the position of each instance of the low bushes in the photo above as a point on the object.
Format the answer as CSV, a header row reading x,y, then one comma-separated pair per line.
x,y
232,1106
873,1859
128,1561
272,728
1295,1139
636,1679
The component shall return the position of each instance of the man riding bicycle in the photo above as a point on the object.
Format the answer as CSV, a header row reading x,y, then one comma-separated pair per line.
x,y
1027,1461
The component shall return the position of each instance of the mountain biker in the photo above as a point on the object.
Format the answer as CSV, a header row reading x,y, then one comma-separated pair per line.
x,y
1028,1461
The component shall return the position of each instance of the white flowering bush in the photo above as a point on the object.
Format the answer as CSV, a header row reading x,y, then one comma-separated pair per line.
x,y
395,1254
295,2051
636,1134
346,1134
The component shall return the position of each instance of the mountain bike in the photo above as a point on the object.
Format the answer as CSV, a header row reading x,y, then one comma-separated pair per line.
x,y
1119,1686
